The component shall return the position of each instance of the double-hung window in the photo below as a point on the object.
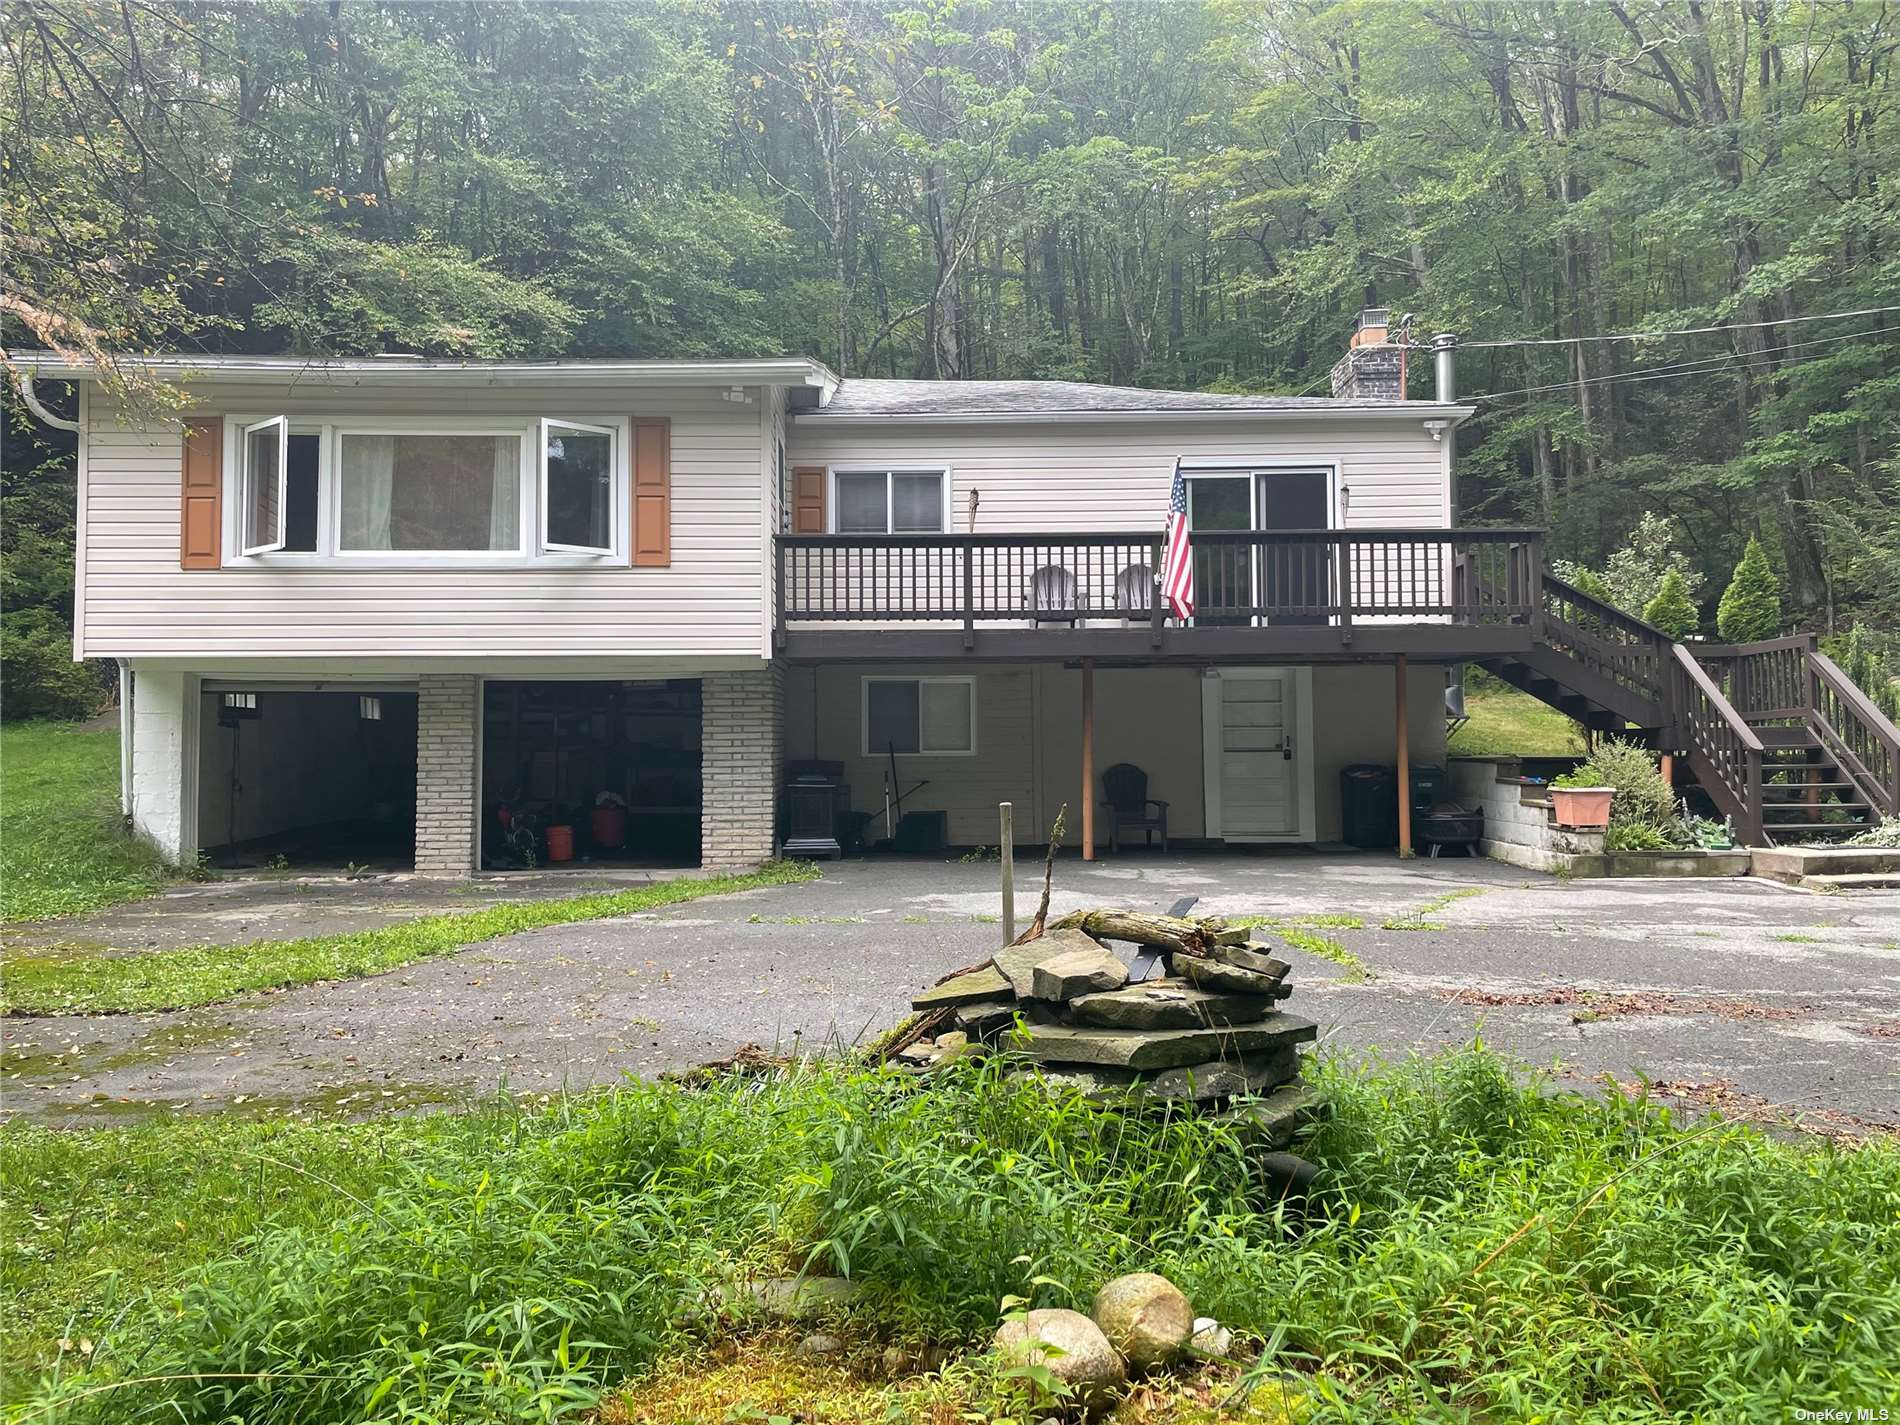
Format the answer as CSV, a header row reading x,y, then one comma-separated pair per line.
x,y
931,717
383,490
888,501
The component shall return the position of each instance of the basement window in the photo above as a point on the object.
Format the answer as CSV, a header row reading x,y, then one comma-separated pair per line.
x,y
926,717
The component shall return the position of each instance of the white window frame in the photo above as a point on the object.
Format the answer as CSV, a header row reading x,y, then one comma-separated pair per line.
x,y
529,552
545,426
942,472
864,715
244,484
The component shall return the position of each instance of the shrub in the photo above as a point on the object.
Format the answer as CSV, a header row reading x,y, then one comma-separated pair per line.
x,y
1751,606
1866,666
1672,610
1644,802
37,672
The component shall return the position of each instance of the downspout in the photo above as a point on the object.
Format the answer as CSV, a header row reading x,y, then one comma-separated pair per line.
x,y
33,404
128,684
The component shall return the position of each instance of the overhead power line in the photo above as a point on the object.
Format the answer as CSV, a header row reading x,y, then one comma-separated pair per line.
x,y
1683,368
1674,331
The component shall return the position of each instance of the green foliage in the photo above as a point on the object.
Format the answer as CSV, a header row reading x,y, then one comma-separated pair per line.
x,y
1644,814
37,670
1672,610
1558,1254
65,848
114,981
1751,605
1861,661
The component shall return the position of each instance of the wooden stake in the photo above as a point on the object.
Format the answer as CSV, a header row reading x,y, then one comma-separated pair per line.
x,y
1088,759
1006,845
1405,759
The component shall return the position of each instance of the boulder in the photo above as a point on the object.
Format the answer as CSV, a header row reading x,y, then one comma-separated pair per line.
x,y
983,983
1145,1317
1161,1049
1017,963
800,1298
1086,1363
1077,972
1167,1004
1232,979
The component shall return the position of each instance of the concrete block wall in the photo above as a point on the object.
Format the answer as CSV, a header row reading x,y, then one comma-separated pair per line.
x,y
447,717
741,747
1523,835
164,769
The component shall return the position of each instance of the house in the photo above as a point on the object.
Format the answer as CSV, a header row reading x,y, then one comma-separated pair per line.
x,y
411,607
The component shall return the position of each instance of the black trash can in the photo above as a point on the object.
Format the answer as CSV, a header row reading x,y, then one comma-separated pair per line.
x,y
1430,786
1369,806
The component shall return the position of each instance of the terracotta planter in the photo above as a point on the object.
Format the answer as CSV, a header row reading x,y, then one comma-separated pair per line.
x,y
1582,808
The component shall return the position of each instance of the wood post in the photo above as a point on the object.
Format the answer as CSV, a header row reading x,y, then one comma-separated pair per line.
x,y
1669,770
1088,759
1405,758
1006,847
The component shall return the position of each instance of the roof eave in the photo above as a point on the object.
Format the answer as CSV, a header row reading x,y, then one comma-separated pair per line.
x,y
1415,410
787,371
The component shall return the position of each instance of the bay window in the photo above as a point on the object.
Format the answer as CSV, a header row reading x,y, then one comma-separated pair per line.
x,y
398,491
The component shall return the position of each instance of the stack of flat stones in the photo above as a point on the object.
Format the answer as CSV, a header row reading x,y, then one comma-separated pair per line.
x,y
1205,1028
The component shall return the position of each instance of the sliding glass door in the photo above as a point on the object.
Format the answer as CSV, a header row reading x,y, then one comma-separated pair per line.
x,y
1232,580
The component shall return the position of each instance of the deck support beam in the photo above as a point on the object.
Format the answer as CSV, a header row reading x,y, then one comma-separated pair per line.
x,y
1404,738
1088,759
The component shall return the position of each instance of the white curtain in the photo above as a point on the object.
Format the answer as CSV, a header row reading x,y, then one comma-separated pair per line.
x,y
369,477
504,509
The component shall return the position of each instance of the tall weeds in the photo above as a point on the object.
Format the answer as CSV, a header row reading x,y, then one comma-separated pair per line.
x,y
1482,1248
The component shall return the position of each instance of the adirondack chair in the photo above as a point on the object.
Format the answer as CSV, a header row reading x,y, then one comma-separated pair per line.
x,y
1135,592
1126,788
1052,595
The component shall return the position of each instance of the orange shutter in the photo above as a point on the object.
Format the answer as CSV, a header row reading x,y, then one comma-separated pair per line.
x,y
652,491
202,525
808,499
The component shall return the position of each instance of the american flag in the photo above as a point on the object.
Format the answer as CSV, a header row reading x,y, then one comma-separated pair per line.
x,y
1177,564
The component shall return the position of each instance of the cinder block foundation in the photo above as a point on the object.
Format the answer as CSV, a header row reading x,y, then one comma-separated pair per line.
x,y
740,736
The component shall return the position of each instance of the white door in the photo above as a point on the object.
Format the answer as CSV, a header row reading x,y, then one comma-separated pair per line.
x,y
1257,724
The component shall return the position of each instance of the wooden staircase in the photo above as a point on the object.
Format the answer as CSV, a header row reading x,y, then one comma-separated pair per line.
x,y
1781,740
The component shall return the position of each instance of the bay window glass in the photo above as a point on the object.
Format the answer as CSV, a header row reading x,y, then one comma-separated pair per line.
x,y
430,492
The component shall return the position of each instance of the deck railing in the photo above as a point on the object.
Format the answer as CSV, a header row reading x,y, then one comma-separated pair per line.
x,y
1242,577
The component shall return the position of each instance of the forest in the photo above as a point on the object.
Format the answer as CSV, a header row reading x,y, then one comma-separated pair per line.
x,y
1664,230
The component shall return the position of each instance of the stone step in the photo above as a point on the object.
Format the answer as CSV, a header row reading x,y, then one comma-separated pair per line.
x,y
1162,1048
1850,881
1795,864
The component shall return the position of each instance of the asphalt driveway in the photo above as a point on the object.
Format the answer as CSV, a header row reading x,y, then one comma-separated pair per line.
x,y
1739,993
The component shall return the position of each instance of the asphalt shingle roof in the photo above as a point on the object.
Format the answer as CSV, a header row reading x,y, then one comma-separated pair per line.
x,y
863,396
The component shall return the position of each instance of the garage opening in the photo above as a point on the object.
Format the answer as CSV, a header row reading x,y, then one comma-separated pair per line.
x,y
307,780
590,774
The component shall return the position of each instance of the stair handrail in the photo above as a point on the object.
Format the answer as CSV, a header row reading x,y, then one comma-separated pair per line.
x,y
1868,747
1628,651
1719,741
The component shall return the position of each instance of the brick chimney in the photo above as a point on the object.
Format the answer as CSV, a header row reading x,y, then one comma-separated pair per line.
x,y
1372,368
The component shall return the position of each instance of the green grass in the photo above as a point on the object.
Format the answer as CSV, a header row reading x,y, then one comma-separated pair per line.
x,y
1484,1247
1327,948
67,981
1420,919
1508,723
62,848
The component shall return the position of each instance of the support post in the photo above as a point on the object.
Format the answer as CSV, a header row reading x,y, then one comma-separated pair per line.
x,y
1668,770
1088,759
1006,847
1405,758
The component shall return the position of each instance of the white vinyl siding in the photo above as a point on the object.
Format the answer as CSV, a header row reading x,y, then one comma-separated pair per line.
x,y
1114,476
711,600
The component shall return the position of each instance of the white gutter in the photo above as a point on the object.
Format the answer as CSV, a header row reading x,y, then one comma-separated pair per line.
x,y
1415,410
32,402
789,371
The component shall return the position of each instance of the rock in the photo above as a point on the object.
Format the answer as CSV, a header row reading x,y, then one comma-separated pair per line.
x,y
800,1299
1145,1317
1274,1119
1288,1176
1246,957
1161,1049
1211,1338
1091,1367
984,983
1077,972
954,1041
1213,975
986,1018
1018,962
1226,1078
900,1361
819,1343
1167,1004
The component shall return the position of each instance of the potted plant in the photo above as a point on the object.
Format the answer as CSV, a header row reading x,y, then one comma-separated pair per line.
x,y
1580,800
